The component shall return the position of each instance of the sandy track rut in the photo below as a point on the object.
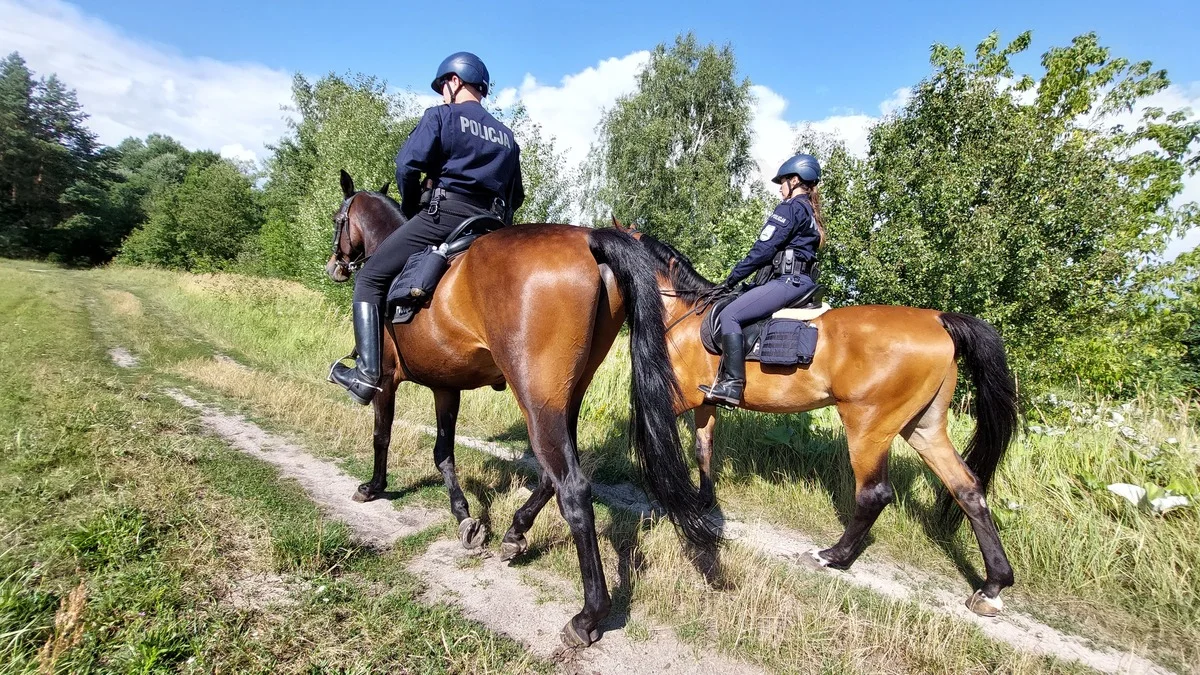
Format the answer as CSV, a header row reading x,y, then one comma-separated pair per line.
x,y
485,589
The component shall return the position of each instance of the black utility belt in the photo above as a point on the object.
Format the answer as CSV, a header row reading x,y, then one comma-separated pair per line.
x,y
785,262
494,204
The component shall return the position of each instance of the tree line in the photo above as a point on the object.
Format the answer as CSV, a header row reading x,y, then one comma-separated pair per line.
x,y
1042,203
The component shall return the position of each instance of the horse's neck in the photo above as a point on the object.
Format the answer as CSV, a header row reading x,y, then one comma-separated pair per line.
x,y
378,232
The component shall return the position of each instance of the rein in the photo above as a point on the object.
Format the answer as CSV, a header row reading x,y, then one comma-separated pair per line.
x,y
705,299
341,224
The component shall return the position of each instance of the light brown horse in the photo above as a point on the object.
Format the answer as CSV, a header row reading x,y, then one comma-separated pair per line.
x,y
890,371
536,307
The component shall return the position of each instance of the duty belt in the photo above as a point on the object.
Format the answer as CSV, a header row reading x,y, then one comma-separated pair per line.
x,y
785,263
495,206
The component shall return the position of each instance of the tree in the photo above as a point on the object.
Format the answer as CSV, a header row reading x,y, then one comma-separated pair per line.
x,y
674,156
202,224
1008,198
548,187
343,123
53,174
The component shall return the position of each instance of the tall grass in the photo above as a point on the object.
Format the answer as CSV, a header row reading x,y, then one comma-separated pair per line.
x,y
1085,558
124,532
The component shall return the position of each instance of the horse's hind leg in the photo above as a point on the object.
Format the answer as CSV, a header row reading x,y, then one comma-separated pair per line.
x,y
927,435
514,543
470,531
706,424
551,438
385,410
869,436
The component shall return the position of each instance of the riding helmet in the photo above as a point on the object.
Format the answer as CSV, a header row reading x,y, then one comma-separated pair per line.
x,y
805,166
468,67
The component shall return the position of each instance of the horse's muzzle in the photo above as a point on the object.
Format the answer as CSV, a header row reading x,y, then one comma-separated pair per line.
x,y
339,272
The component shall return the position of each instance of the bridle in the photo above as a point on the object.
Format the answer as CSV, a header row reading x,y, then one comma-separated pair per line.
x,y
341,223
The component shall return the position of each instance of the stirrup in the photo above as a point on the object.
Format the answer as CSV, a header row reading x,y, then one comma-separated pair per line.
x,y
719,400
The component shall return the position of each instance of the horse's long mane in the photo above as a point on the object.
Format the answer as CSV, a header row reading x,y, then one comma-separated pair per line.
x,y
676,267
392,204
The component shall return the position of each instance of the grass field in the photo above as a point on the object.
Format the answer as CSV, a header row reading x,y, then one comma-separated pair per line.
x,y
106,483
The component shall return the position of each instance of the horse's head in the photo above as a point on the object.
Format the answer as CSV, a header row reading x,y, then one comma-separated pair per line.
x,y
363,221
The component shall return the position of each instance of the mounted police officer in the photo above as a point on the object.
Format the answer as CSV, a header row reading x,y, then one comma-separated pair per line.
x,y
472,164
789,241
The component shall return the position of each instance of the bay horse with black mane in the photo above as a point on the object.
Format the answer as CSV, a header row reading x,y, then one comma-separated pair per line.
x,y
890,371
536,307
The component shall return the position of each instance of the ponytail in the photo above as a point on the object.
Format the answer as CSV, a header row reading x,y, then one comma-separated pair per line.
x,y
814,198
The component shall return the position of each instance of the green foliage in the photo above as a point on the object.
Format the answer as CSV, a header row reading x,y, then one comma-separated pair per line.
x,y
344,123
1027,213
549,191
674,155
52,174
202,224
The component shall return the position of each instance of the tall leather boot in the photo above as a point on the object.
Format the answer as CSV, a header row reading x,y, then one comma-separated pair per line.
x,y
731,372
362,381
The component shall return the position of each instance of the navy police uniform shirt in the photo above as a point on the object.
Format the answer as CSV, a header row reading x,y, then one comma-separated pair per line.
x,y
463,149
790,226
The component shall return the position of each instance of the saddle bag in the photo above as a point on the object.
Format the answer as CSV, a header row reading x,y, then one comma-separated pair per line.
x,y
787,342
416,282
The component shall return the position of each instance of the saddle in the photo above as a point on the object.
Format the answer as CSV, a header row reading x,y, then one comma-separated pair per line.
x,y
784,338
414,286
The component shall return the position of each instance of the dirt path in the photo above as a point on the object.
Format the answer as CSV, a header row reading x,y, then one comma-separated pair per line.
x,y
492,593
486,589
379,523
886,578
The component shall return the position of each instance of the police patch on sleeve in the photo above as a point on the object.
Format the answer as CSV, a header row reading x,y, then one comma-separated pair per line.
x,y
766,233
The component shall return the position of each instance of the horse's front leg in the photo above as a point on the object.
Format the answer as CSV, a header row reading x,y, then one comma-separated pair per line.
x,y
706,425
471,532
385,410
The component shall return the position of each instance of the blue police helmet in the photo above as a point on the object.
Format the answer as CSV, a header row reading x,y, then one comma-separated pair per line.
x,y
805,166
468,67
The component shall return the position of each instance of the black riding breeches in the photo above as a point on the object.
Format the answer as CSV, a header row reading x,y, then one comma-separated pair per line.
x,y
763,301
422,230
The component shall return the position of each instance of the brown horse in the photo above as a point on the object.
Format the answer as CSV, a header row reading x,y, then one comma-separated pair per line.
x,y
890,371
536,307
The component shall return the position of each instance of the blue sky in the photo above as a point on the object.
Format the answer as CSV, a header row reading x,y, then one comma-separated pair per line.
x,y
823,58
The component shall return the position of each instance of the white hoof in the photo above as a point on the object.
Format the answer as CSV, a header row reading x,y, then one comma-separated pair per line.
x,y
985,606
813,559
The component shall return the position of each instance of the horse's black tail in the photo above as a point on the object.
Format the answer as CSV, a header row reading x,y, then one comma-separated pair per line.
x,y
982,352
655,388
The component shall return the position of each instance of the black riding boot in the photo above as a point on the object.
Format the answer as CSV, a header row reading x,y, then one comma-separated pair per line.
x,y
361,381
731,372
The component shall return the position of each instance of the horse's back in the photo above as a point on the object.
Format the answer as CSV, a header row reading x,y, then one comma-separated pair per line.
x,y
534,287
860,347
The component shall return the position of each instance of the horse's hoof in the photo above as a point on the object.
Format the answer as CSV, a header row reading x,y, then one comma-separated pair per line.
x,y
512,549
471,533
813,560
983,605
572,638
365,493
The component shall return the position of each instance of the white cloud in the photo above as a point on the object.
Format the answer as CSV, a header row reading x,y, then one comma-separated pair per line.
x,y
132,88
775,136
571,110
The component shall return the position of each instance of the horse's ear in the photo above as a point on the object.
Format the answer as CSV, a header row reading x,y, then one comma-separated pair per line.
x,y
385,187
347,185
616,223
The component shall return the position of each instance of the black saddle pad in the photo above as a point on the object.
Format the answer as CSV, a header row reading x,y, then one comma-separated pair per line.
x,y
709,327
413,288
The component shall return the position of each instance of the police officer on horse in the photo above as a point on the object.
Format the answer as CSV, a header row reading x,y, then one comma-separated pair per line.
x,y
471,163
789,241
